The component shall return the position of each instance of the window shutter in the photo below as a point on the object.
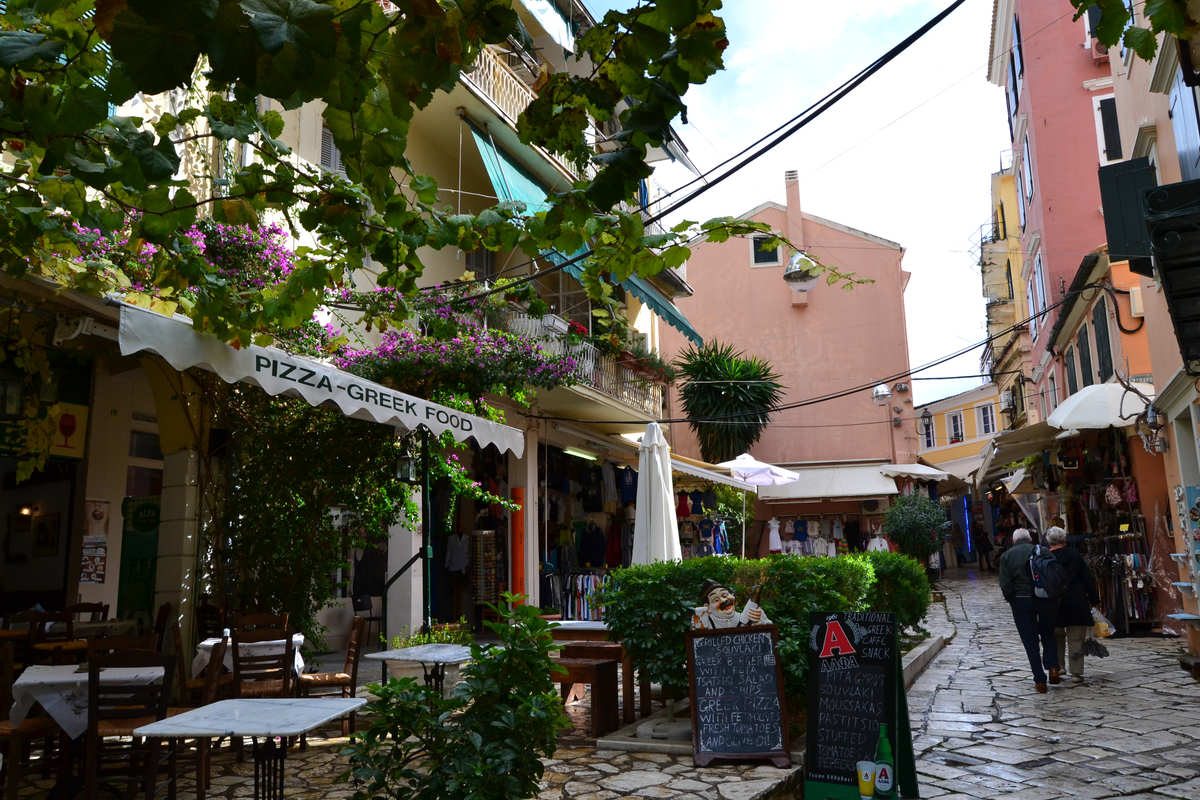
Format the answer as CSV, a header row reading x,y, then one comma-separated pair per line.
x,y
1069,368
1112,131
1122,187
1104,359
1093,19
1085,358
331,159
1018,53
1186,125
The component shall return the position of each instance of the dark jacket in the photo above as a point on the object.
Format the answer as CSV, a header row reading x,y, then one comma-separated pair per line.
x,y
1081,594
1015,578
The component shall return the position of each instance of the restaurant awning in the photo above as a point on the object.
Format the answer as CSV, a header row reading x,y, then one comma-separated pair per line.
x,y
279,373
829,483
1013,446
918,472
694,468
513,183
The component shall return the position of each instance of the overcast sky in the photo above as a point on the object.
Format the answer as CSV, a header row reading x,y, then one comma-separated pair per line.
x,y
907,156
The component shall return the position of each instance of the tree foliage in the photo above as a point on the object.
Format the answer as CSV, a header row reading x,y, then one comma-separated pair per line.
x,y
728,397
914,523
1116,25
371,66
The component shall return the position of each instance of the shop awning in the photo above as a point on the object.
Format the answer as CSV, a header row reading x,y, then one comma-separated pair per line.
x,y
691,467
512,182
1015,445
279,373
829,483
918,472
1013,482
1101,405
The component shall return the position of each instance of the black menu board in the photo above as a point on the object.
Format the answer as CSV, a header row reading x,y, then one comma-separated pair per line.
x,y
736,681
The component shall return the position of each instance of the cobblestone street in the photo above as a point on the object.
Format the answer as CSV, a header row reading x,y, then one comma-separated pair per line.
x,y
1130,729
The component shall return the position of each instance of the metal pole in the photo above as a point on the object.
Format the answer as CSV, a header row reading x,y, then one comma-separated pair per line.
x,y
426,547
743,523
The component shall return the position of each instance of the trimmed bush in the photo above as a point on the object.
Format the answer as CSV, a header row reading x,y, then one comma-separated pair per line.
x,y
901,585
649,608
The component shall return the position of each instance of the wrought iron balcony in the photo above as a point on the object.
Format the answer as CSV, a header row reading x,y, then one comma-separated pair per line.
x,y
595,370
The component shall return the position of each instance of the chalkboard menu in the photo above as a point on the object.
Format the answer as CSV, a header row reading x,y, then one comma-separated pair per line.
x,y
855,696
738,710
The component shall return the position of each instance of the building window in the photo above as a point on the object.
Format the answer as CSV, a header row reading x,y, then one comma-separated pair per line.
x,y
1085,358
1021,200
1104,359
763,254
1108,132
1033,316
482,263
331,157
930,438
1008,278
1017,51
1053,393
955,421
1039,275
1027,169
1069,369
987,421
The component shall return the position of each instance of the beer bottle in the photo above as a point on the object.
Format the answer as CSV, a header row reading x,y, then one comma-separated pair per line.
x,y
885,767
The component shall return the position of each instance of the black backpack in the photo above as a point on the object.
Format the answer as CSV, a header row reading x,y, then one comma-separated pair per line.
x,y
1049,576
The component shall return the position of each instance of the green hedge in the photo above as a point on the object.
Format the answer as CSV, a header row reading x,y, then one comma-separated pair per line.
x,y
901,585
650,607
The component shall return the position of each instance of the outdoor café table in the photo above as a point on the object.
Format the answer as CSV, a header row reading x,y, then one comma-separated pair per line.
x,y
62,691
433,659
266,718
204,652
582,630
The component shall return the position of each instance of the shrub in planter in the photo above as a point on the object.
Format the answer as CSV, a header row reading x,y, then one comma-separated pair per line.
x,y
914,523
901,586
485,741
650,607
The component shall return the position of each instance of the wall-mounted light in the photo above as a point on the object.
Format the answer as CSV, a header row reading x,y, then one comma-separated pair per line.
x,y
584,454
926,421
28,511
881,394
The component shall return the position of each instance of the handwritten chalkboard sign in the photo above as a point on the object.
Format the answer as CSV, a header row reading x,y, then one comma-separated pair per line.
x,y
856,695
738,710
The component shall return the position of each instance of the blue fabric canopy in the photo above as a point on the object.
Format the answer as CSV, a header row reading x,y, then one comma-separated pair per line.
x,y
512,182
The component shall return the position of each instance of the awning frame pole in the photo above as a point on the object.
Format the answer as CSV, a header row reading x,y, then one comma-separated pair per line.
x,y
743,524
426,547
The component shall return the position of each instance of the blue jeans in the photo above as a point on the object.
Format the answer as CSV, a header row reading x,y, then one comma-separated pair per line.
x,y
1035,624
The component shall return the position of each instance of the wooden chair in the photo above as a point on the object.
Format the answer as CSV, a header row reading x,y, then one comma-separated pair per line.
x,y
18,737
108,645
253,622
338,684
25,622
210,620
192,690
209,692
263,674
49,646
88,612
114,711
162,620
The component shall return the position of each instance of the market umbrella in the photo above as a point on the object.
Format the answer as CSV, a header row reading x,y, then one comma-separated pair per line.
x,y
750,470
1102,405
655,536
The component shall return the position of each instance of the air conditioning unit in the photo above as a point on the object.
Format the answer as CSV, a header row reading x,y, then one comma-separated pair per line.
x,y
870,506
1136,308
1006,400
1099,52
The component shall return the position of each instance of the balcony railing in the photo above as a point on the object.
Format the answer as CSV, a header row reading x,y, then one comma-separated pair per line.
x,y
596,370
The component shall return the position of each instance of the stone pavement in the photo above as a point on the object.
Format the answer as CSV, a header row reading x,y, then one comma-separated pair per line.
x,y
1130,729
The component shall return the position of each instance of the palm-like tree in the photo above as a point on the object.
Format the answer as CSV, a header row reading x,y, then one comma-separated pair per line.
x,y
728,397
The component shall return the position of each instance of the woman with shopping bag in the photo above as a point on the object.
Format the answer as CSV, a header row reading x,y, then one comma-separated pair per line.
x,y
1074,622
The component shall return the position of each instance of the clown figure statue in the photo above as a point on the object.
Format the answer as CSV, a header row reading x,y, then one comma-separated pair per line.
x,y
718,611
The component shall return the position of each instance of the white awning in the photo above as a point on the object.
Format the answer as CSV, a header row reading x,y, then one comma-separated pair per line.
x,y
919,472
1101,405
1013,482
1015,445
828,483
712,477
280,373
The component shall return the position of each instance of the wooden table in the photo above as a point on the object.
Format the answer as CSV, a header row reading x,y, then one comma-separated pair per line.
x,y
578,630
264,718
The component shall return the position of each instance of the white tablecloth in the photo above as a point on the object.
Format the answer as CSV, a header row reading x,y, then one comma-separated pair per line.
x,y
204,652
63,692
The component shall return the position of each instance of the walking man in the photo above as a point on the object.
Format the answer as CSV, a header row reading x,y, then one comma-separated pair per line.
x,y
1034,616
983,546
1074,619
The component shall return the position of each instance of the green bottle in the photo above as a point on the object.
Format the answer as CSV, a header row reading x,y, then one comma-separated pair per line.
x,y
885,767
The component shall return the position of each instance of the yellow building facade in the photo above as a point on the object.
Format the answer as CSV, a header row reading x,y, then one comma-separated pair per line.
x,y
953,432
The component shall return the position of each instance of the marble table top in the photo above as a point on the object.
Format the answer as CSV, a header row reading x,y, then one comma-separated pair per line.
x,y
426,654
253,717
579,625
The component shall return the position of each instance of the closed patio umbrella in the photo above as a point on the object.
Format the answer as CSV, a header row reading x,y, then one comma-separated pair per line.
x,y
757,473
655,536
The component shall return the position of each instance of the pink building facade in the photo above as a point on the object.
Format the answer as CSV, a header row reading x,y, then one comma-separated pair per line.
x,y
821,340
1062,119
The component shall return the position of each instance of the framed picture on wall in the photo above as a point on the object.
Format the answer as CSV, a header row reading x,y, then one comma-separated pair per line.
x,y
45,535
18,539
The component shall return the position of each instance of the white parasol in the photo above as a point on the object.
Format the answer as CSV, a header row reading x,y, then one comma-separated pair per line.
x,y
655,536
758,473
1103,405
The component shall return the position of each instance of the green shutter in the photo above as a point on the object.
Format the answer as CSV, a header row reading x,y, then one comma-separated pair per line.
x,y
1104,360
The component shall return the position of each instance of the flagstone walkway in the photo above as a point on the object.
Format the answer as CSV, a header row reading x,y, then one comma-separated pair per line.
x,y
1130,729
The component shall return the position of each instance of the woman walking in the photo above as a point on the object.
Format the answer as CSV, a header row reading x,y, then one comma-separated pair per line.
x,y
1074,619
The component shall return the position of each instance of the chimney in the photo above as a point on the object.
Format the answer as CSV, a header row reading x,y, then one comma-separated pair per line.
x,y
795,221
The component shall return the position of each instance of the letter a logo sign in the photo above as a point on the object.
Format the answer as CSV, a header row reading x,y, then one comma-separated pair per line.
x,y
836,641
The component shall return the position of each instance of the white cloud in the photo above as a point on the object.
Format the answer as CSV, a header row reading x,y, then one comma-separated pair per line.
x,y
907,156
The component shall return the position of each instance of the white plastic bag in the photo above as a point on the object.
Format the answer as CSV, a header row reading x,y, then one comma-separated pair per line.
x,y
1102,628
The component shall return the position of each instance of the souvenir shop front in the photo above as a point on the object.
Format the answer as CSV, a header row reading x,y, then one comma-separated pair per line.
x,y
1110,495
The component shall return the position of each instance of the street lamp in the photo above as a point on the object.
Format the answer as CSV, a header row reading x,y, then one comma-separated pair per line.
x,y
882,396
926,422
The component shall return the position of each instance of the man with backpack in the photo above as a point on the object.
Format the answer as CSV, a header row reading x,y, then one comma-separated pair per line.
x,y
1032,588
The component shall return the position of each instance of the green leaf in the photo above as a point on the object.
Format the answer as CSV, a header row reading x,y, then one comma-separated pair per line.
x,y
17,47
1167,15
295,22
426,188
1141,41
